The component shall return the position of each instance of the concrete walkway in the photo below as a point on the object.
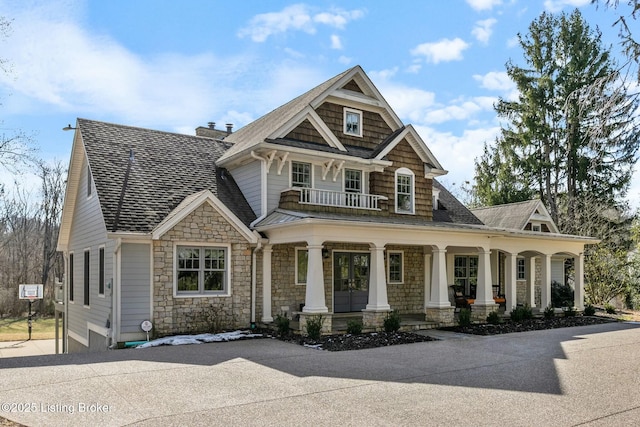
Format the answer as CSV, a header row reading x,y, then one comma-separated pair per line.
x,y
27,348
564,377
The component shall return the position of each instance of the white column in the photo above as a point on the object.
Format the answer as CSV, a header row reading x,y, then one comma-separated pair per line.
x,y
545,281
530,274
439,293
484,291
427,279
266,284
510,275
314,296
579,282
377,280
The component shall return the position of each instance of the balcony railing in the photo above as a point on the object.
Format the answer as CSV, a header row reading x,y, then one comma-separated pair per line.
x,y
313,196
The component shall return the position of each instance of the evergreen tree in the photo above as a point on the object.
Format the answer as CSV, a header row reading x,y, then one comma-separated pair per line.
x,y
572,136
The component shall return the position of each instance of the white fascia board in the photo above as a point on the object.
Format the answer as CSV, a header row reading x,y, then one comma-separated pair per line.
x,y
421,148
315,120
544,217
129,236
71,191
377,164
209,197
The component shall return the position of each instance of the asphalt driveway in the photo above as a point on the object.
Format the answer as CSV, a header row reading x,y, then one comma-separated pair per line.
x,y
574,376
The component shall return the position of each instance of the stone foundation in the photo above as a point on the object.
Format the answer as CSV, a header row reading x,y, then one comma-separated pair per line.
x,y
373,319
479,313
442,316
326,322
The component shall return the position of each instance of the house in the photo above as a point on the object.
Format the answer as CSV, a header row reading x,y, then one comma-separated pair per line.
x,y
327,205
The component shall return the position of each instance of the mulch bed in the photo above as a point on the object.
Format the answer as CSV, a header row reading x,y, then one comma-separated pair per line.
x,y
529,325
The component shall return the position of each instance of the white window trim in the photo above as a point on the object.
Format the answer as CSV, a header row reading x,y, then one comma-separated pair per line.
x,y
536,224
229,271
298,250
524,273
311,168
104,271
86,286
344,179
395,282
344,121
405,172
71,284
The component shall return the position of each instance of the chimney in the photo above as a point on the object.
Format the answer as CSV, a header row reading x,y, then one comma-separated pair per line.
x,y
210,131
212,125
229,128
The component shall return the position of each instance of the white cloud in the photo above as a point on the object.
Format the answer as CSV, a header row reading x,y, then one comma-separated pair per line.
x,y
498,81
557,5
483,30
442,50
483,4
336,43
344,60
297,17
457,153
513,42
338,18
414,68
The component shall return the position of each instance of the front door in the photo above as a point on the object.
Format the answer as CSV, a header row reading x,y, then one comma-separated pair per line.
x,y
350,281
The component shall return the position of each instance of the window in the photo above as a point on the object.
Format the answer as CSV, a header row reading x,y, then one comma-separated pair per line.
x,y
521,270
353,185
352,122
101,272
87,259
89,183
201,270
404,191
300,174
395,265
536,227
71,277
302,263
465,273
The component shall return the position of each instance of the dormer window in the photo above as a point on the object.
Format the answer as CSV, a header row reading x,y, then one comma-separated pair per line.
x,y
536,227
352,122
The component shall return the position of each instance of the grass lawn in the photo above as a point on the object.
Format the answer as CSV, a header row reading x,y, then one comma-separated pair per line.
x,y
17,329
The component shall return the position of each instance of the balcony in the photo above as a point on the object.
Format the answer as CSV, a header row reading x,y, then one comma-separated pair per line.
x,y
338,199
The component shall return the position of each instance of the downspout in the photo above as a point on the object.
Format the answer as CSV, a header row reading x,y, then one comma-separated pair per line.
x,y
115,283
254,280
263,189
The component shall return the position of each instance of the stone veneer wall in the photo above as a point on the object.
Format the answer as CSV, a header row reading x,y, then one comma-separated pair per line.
x,y
193,314
408,297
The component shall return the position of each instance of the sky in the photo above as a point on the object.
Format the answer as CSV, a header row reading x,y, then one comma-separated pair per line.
x,y
177,65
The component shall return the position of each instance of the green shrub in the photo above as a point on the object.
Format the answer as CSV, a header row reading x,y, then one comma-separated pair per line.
x,y
609,309
282,323
314,327
589,310
391,322
354,327
549,312
464,317
494,318
561,295
519,314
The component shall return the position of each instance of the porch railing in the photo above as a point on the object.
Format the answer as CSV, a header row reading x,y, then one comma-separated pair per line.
x,y
314,196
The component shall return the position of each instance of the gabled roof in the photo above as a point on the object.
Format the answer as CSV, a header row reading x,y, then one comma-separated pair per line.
x,y
451,210
272,125
141,175
515,216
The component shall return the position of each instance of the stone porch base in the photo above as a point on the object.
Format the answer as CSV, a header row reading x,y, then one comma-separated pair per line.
x,y
326,322
441,316
374,320
479,313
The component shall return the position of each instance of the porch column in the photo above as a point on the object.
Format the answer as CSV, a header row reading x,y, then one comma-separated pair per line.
x,y
266,284
427,278
439,293
578,294
510,275
530,274
377,280
314,301
545,281
484,291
